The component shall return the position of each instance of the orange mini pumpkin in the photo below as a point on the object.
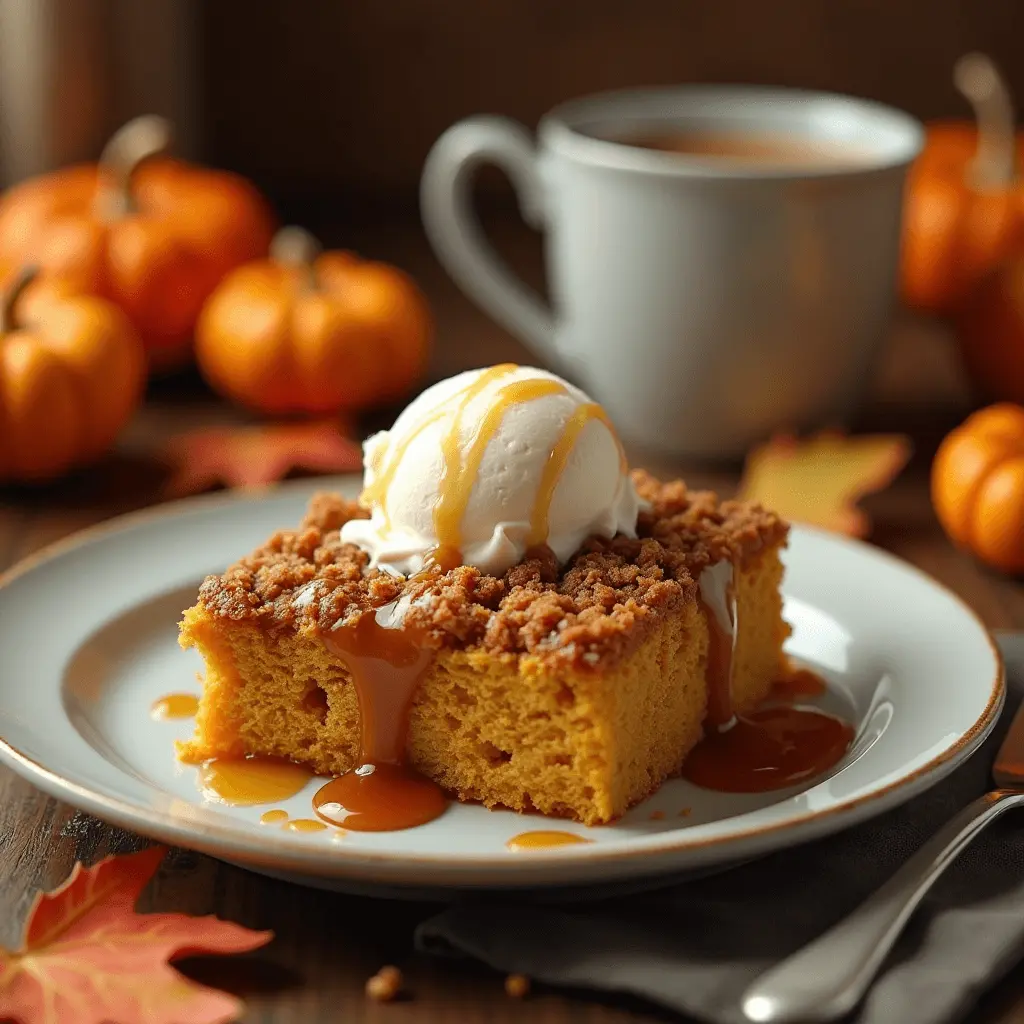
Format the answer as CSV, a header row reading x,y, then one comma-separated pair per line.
x,y
72,370
153,235
978,486
964,209
313,333
990,330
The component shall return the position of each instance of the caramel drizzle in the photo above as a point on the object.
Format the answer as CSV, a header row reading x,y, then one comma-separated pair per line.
x,y
717,595
460,471
378,490
461,465
558,460
386,661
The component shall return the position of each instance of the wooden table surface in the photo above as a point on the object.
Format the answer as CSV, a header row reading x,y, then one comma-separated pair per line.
x,y
328,945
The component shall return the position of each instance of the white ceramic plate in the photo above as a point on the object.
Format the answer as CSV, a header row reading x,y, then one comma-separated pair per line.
x,y
88,637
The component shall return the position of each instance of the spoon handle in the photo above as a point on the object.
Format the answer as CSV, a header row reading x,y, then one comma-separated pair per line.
x,y
828,977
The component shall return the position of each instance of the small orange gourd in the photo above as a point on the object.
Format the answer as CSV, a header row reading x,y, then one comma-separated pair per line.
x,y
990,332
150,234
964,209
72,370
978,486
313,333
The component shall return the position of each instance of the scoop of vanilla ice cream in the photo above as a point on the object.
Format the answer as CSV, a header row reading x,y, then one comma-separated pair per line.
x,y
409,467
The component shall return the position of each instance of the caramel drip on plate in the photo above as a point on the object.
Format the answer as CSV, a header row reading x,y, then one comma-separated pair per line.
x,y
462,467
305,825
717,596
274,817
386,661
770,748
251,780
558,460
378,490
380,798
175,705
544,838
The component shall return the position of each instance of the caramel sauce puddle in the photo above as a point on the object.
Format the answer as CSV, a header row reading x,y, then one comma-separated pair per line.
x,y
304,825
544,838
245,781
771,747
174,705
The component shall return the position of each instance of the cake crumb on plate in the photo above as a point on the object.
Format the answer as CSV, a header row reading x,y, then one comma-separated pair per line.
x,y
386,985
517,986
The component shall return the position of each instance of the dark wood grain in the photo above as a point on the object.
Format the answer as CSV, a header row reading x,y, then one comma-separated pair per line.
x,y
328,944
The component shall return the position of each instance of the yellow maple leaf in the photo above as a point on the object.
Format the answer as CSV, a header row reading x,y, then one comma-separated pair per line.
x,y
819,480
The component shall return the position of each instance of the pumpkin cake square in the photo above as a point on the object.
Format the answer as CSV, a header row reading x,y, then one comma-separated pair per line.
x,y
571,687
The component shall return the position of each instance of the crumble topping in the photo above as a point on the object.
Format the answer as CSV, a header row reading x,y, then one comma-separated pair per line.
x,y
588,611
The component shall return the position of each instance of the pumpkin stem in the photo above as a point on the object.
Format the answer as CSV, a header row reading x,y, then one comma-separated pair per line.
x,y
995,160
11,295
296,247
139,139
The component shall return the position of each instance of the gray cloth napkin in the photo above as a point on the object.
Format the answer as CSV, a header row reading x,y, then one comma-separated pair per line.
x,y
695,946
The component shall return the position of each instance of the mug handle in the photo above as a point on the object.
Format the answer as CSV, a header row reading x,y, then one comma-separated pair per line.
x,y
455,233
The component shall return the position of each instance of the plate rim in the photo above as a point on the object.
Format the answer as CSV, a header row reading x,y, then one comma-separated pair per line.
x,y
220,840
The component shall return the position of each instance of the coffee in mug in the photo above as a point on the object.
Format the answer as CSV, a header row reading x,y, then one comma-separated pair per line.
x,y
759,150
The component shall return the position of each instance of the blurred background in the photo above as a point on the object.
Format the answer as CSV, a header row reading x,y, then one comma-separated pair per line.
x,y
333,104
343,100
330,107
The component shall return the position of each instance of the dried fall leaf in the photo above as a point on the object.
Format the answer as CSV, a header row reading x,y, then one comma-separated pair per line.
x,y
88,958
820,480
256,457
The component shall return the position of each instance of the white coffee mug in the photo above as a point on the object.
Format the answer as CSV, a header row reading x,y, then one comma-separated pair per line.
x,y
705,302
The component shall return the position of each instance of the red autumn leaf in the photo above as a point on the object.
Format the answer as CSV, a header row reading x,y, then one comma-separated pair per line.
x,y
820,480
88,958
256,457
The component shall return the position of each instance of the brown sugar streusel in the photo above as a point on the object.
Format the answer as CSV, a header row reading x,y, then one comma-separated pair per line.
x,y
584,614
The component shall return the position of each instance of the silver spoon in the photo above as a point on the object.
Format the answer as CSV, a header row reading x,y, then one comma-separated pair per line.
x,y
828,977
